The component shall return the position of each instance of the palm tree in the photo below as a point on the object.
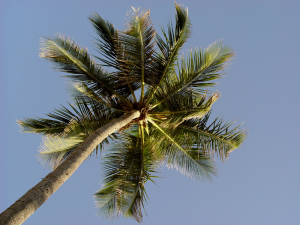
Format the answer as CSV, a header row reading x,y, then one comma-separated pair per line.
x,y
152,105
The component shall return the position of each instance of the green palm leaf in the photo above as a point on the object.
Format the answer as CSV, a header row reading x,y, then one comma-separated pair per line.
x,y
196,71
169,48
83,119
70,58
108,39
138,47
175,147
80,91
53,151
126,169
52,127
110,46
184,106
217,137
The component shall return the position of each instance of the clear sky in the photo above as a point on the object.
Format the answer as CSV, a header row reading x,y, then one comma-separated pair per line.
x,y
260,182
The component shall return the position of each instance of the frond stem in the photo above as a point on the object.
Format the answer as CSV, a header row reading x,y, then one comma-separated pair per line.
x,y
169,113
171,139
143,67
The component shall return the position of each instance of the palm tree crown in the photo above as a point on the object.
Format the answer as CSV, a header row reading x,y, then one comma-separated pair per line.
x,y
146,74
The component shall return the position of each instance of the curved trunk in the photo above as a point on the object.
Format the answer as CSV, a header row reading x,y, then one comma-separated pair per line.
x,y
36,196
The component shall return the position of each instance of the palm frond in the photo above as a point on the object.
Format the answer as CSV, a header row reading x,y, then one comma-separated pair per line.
x,y
81,92
53,151
184,106
68,57
89,117
174,40
179,154
126,170
108,38
217,137
137,201
129,52
204,65
196,71
138,47
52,127
194,163
81,120
77,125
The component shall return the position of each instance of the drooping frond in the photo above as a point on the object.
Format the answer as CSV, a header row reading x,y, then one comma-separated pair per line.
x,y
178,152
53,151
174,40
196,71
68,57
217,137
194,163
67,129
126,170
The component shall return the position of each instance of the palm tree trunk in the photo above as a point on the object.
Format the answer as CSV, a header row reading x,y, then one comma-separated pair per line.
x,y
36,196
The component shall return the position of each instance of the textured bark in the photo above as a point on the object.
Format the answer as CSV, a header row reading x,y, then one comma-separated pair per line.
x,y
36,196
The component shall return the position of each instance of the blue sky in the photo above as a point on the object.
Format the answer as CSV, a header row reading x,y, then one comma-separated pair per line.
x,y
260,182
